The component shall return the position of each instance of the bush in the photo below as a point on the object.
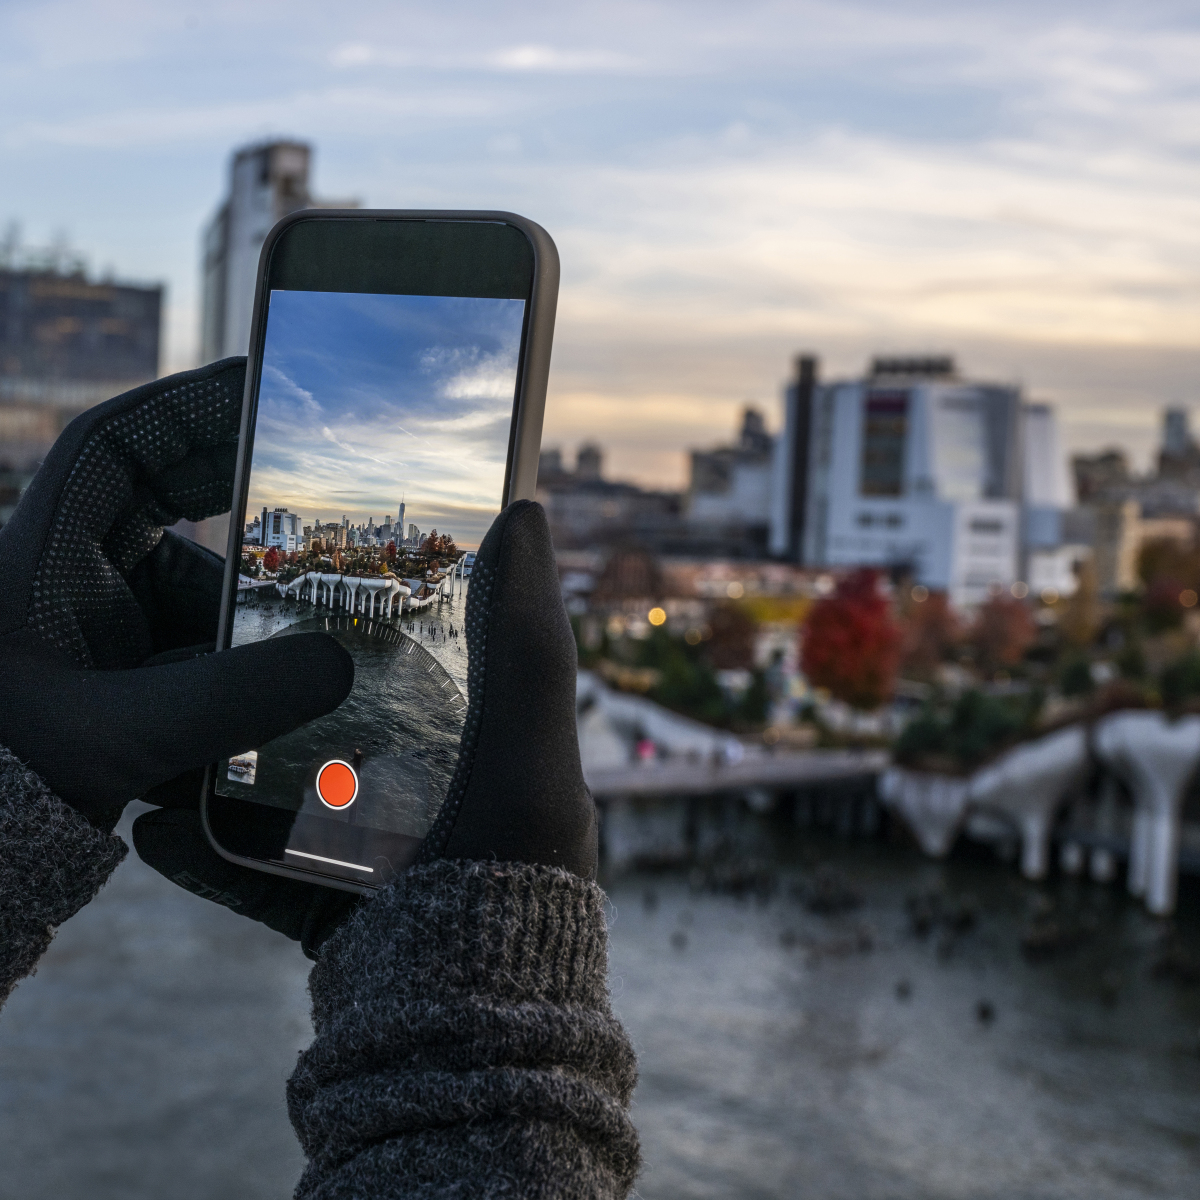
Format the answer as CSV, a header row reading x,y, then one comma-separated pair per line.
x,y
1076,678
689,683
962,736
1180,681
1003,630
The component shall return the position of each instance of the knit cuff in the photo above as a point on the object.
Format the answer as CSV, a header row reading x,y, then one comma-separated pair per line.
x,y
511,931
52,862
463,1031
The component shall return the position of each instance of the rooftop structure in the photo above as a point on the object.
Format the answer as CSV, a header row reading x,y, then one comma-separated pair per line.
x,y
729,492
266,183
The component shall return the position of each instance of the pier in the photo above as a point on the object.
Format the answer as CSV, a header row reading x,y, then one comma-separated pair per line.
x,y
773,772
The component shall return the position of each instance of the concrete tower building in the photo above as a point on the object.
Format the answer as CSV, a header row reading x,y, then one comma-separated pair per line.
x,y
266,182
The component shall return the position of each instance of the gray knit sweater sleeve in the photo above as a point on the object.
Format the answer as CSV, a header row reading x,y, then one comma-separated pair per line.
x,y
52,862
465,1046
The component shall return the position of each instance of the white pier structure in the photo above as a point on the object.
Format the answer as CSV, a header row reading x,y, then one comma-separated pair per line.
x,y
1156,757
371,595
1025,786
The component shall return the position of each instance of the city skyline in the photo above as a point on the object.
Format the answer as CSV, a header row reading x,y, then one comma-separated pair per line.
x,y
366,398
1016,184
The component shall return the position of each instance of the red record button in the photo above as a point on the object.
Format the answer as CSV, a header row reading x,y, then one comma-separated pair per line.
x,y
337,784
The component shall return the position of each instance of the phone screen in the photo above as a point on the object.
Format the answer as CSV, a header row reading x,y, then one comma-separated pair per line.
x,y
380,444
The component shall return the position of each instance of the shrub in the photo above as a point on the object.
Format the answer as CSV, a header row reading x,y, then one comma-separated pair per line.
x,y
962,736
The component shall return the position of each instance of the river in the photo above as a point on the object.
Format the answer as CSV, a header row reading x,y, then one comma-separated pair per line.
x,y
783,1052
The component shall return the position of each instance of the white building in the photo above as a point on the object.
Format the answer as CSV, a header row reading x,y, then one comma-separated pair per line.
x,y
281,529
910,467
266,182
1050,559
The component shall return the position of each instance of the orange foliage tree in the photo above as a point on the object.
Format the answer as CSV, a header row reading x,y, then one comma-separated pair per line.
x,y
931,632
852,642
439,544
1003,630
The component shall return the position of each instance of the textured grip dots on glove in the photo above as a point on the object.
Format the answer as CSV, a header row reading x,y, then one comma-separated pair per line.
x,y
479,600
139,468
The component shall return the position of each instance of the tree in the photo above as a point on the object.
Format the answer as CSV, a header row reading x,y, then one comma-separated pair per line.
x,y
852,643
1003,630
271,559
732,643
1082,617
930,633
391,552
1168,569
440,545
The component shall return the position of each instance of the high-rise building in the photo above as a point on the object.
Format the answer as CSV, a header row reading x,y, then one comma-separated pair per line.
x,y
911,467
266,182
66,343
281,529
1179,456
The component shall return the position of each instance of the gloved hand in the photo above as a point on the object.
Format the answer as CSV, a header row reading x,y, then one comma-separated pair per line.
x,y
105,687
517,793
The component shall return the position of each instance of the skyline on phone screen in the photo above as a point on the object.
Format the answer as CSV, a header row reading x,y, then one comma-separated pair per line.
x,y
367,400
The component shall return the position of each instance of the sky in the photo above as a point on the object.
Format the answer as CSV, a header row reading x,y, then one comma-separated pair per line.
x,y
1017,184
369,400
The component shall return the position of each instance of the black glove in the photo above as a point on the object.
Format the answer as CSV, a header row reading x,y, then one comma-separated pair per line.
x,y
105,687
517,794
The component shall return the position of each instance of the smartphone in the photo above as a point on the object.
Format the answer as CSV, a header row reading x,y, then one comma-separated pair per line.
x,y
394,399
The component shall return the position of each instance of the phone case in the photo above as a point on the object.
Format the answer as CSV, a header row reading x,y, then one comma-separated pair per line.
x,y
520,476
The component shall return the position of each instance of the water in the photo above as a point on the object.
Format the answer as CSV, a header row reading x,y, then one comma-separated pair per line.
x,y
400,726
266,615
780,1055
785,1053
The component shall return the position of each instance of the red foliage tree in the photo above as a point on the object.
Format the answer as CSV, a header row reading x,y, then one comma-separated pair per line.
x,y
1003,630
391,552
271,559
852,643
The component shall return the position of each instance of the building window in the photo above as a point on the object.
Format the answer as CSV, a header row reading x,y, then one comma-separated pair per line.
x,y
980,525
890,520
885,428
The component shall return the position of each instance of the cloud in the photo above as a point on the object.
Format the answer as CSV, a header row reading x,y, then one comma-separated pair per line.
x,y
287,389
486,383
727,184
528,57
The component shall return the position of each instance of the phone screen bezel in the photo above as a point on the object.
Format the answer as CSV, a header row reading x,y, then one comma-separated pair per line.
x,y
341,251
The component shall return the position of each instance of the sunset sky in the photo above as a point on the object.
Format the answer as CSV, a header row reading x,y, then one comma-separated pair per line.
x,y
368,400
1017,184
